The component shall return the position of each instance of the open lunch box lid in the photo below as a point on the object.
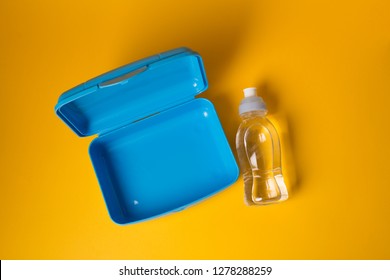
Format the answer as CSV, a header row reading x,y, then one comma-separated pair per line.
x,y
159,149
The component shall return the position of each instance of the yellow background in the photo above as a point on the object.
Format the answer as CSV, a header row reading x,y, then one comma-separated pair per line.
x,y
323,68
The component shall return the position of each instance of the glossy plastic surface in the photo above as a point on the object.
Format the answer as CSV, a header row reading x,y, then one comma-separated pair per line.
x,y
159,149
132,92
163,163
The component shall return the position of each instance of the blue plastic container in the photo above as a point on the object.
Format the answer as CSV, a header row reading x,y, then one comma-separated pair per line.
x,y
159,149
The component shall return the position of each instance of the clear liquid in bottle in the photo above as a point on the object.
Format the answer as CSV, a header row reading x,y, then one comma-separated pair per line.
x,y
258,149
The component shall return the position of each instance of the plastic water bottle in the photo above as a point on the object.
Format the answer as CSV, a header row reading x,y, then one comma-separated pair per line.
x,y
258,150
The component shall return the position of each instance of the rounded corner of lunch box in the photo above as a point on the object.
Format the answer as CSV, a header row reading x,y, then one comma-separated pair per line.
x,y
236,174
92,145
206,102
116,221
57,111
203,71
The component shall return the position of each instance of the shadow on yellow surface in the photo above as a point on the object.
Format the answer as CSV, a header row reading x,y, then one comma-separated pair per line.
x,y
282,123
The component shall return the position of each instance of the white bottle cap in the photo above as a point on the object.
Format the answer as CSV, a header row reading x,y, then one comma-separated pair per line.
x,y
250,91
252,102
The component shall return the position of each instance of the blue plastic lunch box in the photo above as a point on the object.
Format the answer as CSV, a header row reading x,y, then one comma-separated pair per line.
x,y
158,148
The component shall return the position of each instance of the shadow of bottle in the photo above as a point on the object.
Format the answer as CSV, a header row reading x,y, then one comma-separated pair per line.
x,y
215,37
283,124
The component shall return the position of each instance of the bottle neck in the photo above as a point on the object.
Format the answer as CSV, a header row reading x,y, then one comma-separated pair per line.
x,y
254,114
